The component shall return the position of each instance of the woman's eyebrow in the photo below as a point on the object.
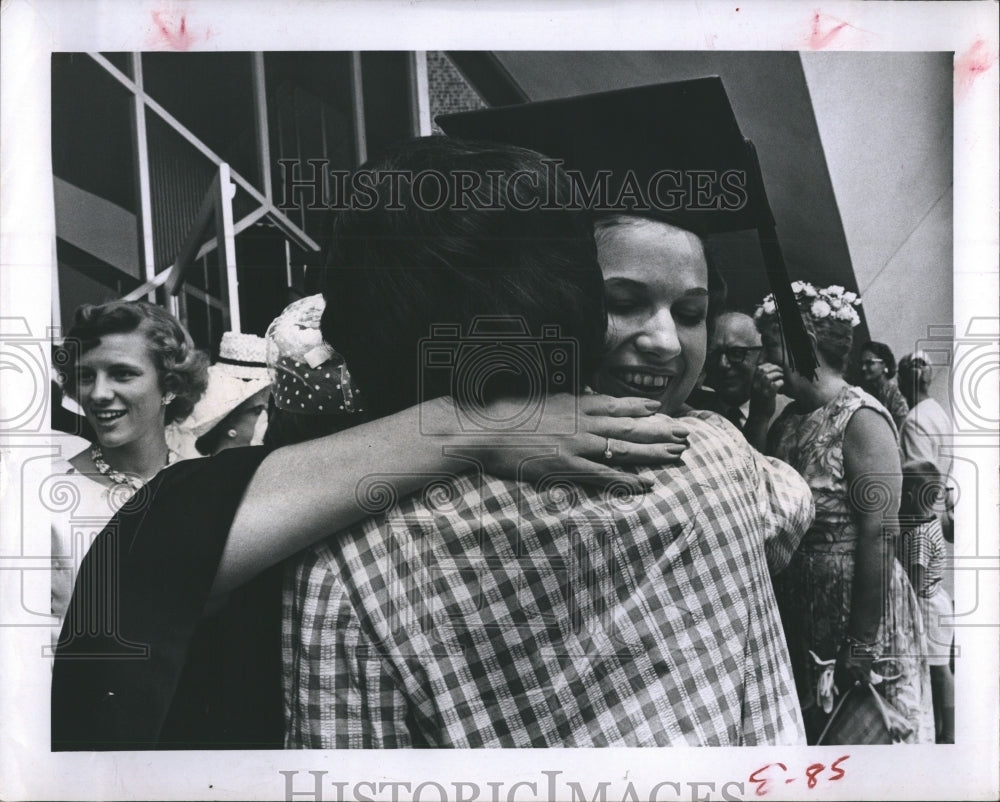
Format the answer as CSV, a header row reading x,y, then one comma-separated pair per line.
x,y
117,366
615,282
621,281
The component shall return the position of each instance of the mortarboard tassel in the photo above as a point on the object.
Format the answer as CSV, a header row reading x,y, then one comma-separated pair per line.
x,y
801,354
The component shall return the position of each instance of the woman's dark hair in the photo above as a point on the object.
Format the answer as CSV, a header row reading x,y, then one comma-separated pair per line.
x,y
182,369
883,352
209,443
493,250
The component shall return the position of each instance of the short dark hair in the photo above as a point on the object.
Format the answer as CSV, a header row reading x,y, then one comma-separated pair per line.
x,y
923,479
883,352
394,272
182,369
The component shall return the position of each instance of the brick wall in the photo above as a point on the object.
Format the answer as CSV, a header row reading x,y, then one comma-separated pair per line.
x,y
449,91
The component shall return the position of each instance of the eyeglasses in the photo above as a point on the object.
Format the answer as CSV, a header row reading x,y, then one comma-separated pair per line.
x,y
735,354
870,363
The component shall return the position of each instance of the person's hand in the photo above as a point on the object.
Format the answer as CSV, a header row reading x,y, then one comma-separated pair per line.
x,y
854,664
768,380
630,429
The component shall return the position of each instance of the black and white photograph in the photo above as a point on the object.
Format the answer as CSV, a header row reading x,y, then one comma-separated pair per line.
x,y
561,386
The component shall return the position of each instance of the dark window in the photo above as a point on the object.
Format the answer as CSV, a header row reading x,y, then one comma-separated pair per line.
x,y
387,94
123,61
92,130
310,116
212,95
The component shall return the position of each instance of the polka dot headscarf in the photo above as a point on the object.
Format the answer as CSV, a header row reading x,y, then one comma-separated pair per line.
x,y
307,375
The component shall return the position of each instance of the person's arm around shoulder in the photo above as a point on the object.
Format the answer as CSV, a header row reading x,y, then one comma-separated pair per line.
x,y
308,491
874,482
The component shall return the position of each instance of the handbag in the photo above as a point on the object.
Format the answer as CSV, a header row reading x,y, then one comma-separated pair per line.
x,y
862,716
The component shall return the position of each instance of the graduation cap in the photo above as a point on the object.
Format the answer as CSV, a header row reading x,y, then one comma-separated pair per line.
x,y
672,152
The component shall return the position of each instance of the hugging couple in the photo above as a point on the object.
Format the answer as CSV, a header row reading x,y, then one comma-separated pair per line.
x,y
603,580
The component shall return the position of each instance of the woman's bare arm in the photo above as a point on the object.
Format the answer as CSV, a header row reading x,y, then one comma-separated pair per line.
x,y
874,481
305,492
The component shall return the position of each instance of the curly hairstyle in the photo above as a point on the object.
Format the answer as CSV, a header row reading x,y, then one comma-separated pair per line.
x,y
883,352
833,339
182,368
833,335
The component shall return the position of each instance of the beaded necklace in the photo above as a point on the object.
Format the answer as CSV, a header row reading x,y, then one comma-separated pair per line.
x,y
119,478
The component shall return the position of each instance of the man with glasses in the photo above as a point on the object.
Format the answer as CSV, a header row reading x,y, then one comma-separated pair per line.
x,y
745,390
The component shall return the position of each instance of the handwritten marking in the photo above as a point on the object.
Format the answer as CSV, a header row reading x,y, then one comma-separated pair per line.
x,y
824,29
171,33
812,775
971,64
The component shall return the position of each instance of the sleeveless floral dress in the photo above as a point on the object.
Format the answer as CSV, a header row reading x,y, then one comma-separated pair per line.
x,y
814,591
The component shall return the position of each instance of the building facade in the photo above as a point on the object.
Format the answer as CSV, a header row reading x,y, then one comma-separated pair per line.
x,y
169,170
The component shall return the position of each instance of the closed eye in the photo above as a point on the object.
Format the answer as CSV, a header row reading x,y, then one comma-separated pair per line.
x,y
691,315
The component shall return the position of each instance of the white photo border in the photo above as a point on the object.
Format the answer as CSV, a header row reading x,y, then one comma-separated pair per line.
x,y
31,31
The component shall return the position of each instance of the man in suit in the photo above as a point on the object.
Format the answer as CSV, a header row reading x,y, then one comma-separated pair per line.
x,y
738,385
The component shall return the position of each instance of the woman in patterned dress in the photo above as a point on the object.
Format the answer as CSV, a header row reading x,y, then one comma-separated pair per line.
x,y
843,442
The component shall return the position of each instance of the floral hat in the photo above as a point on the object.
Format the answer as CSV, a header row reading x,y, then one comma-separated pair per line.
x,y
307,375
827,302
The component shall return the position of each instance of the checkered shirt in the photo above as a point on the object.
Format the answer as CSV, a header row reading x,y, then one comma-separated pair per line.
x,y
491,613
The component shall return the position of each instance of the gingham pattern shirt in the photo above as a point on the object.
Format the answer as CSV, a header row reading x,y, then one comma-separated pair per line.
x,y
489,613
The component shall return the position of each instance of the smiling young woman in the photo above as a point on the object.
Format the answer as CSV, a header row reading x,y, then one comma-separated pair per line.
x,y
657,297
133,369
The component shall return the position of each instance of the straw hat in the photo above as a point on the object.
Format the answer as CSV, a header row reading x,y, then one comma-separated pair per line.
x,y
238,374
242,356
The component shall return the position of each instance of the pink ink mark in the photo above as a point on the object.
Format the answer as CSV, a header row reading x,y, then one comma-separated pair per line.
x,y
971,64
823,30
173,34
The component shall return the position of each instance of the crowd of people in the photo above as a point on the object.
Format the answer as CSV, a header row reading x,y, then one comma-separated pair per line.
x,y
677,535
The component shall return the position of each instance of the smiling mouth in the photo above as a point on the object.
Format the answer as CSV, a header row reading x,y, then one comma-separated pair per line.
x,y
643,381
109,416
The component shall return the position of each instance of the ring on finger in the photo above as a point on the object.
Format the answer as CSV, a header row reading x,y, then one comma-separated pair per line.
x,y
608,453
